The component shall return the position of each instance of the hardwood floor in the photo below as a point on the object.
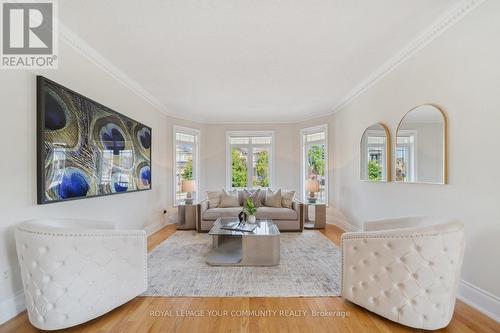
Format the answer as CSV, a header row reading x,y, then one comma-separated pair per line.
x,y
170,314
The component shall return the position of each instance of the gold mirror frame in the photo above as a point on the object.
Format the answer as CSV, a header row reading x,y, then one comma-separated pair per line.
x,y
445,144
388,162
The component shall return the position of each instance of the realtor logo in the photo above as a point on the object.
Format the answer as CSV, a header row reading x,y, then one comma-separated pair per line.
x,y
29,37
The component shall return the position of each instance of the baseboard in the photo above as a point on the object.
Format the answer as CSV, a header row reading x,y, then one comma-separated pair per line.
x,y
154,227
11,307
481,300
342,223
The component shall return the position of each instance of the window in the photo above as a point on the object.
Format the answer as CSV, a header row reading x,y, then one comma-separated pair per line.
x,y
249,159
314,157
406,163
186,150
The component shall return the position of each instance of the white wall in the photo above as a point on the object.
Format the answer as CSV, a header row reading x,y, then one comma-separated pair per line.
x,y
18,162
460,71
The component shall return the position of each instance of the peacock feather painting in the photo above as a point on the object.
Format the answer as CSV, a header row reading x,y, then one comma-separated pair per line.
x,y
86,149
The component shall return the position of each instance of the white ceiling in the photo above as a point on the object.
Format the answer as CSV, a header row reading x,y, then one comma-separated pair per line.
x,y
249,60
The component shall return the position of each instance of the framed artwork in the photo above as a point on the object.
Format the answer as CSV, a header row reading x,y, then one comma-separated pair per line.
x,y
85,149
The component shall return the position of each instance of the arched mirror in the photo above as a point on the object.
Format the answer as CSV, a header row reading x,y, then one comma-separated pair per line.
x,y
421,146
375,159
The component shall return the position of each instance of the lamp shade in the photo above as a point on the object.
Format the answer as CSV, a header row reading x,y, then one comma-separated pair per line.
x,y
188,186
312,185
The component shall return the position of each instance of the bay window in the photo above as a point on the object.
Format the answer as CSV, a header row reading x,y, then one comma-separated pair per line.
x,y
186,152
249,159
314,160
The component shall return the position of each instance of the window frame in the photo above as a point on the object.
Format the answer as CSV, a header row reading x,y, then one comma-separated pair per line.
x,y
229,146
196,158
303,133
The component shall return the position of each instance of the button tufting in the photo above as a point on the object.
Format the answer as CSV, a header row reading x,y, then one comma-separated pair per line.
x,y
430,263
451,262
34,264
375,254
400,285
386,293
427,291
353,268
402,259
418,248
388,245
365,262
364,241
415,276
38,292
424,317
354,248
445,249
363,284
353,289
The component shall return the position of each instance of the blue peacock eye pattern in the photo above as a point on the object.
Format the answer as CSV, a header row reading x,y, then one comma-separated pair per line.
x,y
90,150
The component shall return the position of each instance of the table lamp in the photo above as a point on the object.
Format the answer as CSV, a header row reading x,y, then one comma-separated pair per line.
x,y
188,186
312,186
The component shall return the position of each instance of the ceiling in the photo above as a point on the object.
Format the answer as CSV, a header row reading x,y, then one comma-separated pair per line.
x,y
249,60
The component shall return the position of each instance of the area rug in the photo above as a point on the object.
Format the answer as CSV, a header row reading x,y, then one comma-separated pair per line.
x,y
310,266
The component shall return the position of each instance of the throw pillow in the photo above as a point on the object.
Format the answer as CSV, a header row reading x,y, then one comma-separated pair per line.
x,y
273,199
255,196
213,198
287,198
229,199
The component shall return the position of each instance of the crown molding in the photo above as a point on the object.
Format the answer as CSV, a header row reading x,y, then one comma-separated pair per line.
x,y
440,25
71,39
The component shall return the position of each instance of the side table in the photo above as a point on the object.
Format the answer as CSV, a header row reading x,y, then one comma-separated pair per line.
x,y
319,216
186,216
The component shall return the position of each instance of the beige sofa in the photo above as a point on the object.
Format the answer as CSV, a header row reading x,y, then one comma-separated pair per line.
x,y
286,219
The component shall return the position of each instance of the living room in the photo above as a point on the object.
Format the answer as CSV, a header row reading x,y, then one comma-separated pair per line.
x,y
248,166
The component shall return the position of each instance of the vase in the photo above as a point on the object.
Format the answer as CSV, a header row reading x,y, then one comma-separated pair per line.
x,y
251,219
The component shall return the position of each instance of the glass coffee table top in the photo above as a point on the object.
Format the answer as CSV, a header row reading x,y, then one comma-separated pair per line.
x,y
264,227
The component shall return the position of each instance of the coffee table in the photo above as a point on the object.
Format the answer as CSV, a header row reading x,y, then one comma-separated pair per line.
x,y
260,247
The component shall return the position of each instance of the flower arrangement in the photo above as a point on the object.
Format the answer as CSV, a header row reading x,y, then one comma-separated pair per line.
x,y
250,208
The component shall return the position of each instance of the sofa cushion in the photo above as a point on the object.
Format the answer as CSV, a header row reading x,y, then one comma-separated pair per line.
x,y
287,198
274,213
255,196
213,214
229,199
213,198
273,199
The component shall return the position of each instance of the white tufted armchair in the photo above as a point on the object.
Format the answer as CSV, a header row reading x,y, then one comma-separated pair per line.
x,y
74,270
406,270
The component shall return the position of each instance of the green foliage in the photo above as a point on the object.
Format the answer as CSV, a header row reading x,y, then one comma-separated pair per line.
x,y
374,171
250,208
316,157
187,172
239,169
262,168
